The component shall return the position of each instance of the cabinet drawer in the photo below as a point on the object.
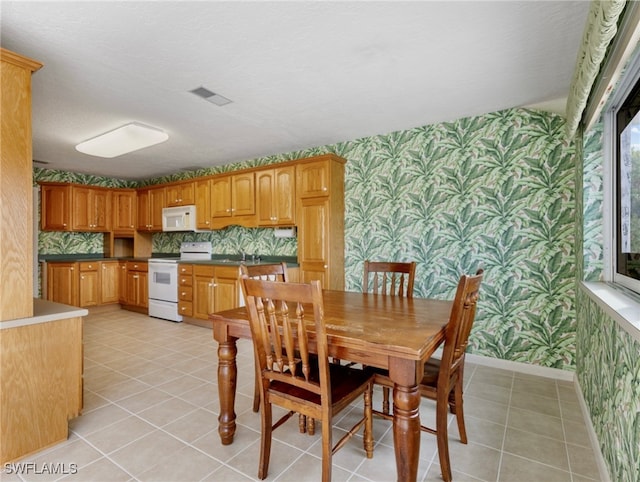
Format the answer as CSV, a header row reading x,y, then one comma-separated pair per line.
x,y
136,266
204,270
185,308
89,265
185,293
185,269
184,280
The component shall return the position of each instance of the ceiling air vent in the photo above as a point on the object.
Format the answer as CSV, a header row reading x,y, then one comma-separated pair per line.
x,y
209,96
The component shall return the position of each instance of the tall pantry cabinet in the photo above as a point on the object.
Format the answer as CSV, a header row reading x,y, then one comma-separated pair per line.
x,y
320,220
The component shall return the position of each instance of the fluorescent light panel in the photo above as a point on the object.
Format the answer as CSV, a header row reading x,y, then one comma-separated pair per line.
x,y
128,138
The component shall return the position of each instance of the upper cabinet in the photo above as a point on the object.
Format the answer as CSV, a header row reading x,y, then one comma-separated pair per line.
x,y
203,203
73,207
233,200
151,201
124,217
55,207
91,209
276,196
181,194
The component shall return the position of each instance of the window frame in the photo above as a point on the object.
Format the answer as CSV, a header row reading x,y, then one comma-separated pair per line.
x,y
628,81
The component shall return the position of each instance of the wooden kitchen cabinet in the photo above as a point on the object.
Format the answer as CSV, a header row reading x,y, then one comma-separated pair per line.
x,y
320,220
185,289
203,203
62,283
215,288
124,215
55,207
137,296
109,282
276,196
122,282
91,207
151,201
181,194
89,284
233,200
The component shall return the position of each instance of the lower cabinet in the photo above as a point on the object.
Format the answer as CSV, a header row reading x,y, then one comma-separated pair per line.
x,y
109,282
211,288
137,295
62,283
89,284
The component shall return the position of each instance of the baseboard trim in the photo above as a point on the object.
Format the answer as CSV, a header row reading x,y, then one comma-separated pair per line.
x,y
595,444
520,367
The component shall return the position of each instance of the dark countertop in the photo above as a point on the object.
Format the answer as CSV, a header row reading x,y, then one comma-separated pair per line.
x,y
216,259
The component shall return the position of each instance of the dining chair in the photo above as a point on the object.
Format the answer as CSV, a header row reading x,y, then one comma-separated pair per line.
x,y
273,272
392,278
279,314
443,378
389,277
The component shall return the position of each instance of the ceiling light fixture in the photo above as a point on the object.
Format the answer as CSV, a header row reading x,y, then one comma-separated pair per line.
x,y
125,139
212,97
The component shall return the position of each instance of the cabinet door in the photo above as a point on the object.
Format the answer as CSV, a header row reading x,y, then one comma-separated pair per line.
x,y
89,288
181,194
226,293
313,248
55,206
100,206
243,194
122,283
62,283
313,179
156,204
285,194
109,282
203,204
221,197
143,290
203,296
265,197
133,288
124,216
82,213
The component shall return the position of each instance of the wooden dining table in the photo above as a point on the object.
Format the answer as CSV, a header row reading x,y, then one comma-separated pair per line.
x,y
397,334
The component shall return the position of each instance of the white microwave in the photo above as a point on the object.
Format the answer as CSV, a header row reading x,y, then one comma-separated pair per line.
x,y
179,218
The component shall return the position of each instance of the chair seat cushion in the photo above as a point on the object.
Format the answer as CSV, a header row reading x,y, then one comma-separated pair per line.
x,y
344,382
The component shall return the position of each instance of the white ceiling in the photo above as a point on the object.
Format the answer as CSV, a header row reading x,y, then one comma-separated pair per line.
x,y
300,74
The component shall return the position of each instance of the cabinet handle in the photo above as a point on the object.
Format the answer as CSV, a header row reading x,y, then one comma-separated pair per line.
x,y
71,269
183,293
82,277
324,188
183,308
135,276
228,210
183,280
206,222
325,266
64,225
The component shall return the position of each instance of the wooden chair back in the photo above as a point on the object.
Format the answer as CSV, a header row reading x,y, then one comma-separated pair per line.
x,y
270,272
391,278
278,313
463,312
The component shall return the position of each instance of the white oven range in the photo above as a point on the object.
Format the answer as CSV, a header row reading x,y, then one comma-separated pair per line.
x,y
163,279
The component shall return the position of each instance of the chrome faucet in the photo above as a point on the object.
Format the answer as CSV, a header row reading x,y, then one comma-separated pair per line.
x,y
243,255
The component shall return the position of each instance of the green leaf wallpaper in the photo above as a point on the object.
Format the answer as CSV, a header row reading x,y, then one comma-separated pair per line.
x,y
607,361
494,191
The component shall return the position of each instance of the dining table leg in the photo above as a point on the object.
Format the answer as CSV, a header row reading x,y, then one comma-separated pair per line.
x,y
227,375
406,418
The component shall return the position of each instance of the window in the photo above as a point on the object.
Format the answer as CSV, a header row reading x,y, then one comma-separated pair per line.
x,y
625,129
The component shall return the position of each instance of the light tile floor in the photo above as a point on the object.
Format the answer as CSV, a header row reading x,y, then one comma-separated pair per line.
x,y
151,406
